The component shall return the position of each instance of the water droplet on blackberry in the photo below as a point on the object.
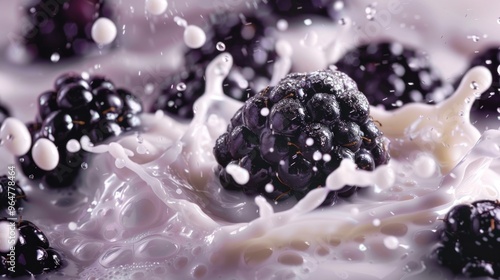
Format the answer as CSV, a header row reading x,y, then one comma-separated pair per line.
x,y
181,87
220,46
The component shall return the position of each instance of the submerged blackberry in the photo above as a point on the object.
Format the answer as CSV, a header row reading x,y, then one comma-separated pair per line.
x,y
93,107
62,27
11,194
392,75
486,106
294,135
304,8
469,242
32,252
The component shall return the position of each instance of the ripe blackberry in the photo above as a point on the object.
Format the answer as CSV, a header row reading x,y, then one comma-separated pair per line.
x,y
294,135
179,92
469,241
76,107
12,188
486,106
392,75
62,27
304,8
32,252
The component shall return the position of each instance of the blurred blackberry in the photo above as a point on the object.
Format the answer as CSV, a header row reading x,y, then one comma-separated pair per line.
x,y
247,38
469,241
93,107
62,27
486,106
294,135
179,92
290,9
392,75
12,188
33,254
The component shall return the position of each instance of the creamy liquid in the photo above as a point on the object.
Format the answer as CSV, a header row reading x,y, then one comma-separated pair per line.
x,y
150,206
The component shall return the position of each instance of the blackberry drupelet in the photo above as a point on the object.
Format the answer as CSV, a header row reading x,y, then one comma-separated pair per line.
x,y
62,27
391,75
303,8
252,49
33,254
78,107
12,188
469,241
486,106
294,135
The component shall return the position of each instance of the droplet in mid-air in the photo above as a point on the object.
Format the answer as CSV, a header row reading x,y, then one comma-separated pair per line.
x,y
55,57
220,46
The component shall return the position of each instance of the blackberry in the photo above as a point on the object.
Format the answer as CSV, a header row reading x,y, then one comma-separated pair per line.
x,y
179,92
391,75
12,188
469,241
32,252
294,135
486,106
93,107
290,9
248,41
62,27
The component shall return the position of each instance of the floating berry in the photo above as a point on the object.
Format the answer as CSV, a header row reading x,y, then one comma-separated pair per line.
x,y
314,121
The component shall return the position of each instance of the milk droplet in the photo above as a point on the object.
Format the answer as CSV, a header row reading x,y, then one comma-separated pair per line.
x,y
264,112
269,188
103,31
391,242
370,12
73,146
180,21
474,85
424,166
282,25
220,46
20,138
55,57
72,226
45,154
240,175
156,7
194,36
181,87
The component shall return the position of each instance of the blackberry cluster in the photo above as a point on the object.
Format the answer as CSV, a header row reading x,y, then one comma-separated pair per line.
x,y
294,135
392,75
303,8
248,41
15,190
4,113
33,254
62,27
76,107
469,242
487,104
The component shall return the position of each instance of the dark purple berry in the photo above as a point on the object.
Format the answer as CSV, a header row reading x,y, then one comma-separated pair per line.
x,y
390,74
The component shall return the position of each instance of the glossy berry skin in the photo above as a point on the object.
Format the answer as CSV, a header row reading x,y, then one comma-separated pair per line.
x,y
78,107
62,27
33,254
293,135
469,241
391,75
12,188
